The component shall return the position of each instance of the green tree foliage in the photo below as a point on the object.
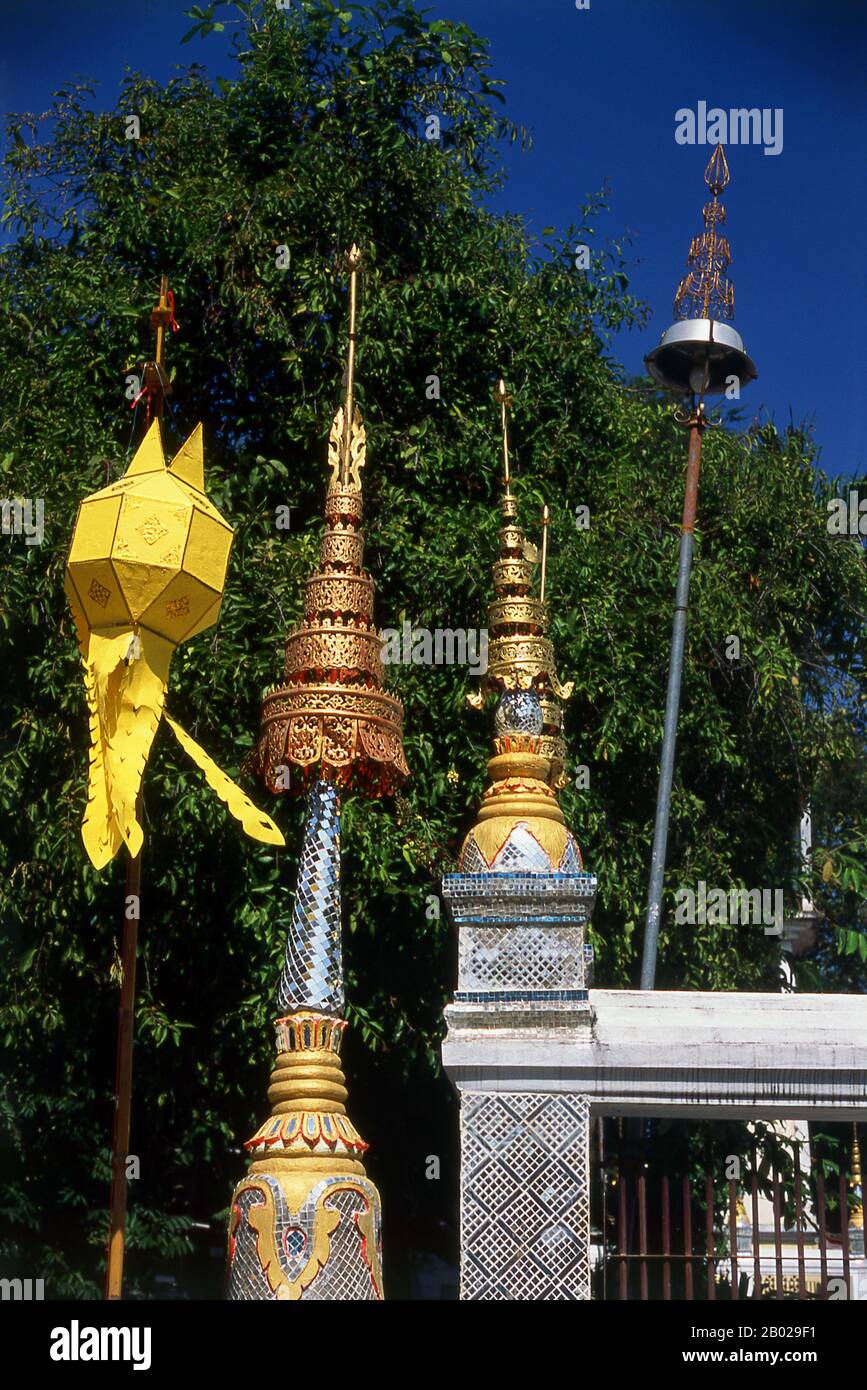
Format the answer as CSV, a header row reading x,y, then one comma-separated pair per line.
x,y
319,138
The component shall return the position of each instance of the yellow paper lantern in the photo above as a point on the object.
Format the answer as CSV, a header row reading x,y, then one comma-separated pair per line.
x,y
146,570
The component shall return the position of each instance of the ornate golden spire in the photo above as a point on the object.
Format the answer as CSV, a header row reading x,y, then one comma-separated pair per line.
x,y
705,292
520,822
332,720
306,1220
520,654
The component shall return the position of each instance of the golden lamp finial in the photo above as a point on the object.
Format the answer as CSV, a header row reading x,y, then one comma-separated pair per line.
x,y
706,292
699,353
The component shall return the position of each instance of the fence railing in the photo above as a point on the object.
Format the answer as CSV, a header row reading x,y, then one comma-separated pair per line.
x,y
785,1229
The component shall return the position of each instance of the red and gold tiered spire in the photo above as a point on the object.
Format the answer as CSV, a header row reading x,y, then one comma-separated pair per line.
x,y
306,1220
331,719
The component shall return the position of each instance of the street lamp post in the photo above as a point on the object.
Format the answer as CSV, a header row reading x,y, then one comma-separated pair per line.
x,y
705,356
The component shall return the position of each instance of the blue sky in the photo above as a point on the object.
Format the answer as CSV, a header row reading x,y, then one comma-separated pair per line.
x,y
599,89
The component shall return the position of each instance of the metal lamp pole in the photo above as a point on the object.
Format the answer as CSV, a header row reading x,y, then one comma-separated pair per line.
x,y
698,353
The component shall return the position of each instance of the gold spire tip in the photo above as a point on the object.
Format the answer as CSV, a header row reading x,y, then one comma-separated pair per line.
x,y
502,395
351,422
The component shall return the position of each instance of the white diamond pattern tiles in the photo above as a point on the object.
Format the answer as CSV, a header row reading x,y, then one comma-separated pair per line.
x,y
520,957
525,1196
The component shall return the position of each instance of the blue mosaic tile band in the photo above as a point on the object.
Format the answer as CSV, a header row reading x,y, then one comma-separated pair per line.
x,y
312,975
497,897
519,996
496,919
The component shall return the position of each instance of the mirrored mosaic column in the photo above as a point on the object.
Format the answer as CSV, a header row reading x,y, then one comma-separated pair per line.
x,y
520,901
525,1196
525,1189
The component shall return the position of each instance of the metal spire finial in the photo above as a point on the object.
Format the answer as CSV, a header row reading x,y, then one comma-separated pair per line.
x,y
717,175
706,292
701,355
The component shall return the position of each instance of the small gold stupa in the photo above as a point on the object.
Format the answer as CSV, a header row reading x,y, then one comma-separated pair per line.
x,y
520,823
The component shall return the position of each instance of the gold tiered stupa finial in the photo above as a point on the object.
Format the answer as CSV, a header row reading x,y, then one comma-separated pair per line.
x,y
520,655
520,823
331,718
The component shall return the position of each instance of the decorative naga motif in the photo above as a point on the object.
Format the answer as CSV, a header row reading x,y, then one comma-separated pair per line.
x,y
306,1221
326,1249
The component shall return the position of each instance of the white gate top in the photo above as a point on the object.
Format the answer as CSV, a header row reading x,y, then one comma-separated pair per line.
x,y
748,1056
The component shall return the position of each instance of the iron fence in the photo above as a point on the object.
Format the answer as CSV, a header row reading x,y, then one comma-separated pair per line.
x,y
791,1226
